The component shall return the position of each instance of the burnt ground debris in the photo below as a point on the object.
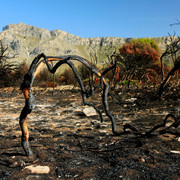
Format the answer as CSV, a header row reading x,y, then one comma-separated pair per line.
x,y
78,147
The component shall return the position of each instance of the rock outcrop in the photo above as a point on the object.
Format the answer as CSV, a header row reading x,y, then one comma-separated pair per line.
x,y
27,41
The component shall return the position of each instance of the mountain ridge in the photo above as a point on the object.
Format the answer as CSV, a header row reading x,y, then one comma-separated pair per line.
x,y
26,41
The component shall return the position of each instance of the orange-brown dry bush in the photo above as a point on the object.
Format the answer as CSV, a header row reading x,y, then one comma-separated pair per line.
x,y
138,56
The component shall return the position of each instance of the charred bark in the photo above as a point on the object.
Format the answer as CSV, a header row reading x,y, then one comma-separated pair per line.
x,y
30,100
168,78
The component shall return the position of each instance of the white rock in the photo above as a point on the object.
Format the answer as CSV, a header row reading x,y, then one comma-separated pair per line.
x,y
131,100
176,152
37,169
90,111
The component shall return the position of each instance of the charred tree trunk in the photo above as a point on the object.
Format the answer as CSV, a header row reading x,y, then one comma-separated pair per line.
x,y
167,79
30,100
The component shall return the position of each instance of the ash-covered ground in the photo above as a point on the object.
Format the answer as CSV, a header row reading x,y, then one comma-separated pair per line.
x,y
75,146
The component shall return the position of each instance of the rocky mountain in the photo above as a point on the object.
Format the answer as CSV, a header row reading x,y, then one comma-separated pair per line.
x,y
27,41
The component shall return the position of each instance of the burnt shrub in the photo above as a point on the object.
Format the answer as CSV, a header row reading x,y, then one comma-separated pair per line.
x,y
14,76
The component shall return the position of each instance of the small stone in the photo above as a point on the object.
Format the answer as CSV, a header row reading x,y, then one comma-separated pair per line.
x,y
90,111
37,169
176,152
142,160
132,100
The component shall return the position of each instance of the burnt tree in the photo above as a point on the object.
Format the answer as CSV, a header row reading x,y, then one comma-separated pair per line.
x,y
35,67
171,52
6,67
169,76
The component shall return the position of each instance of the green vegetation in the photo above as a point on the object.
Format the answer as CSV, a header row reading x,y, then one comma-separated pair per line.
x,y
147,41
137,59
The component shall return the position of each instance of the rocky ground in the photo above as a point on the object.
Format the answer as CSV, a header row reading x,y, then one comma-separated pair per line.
x,y
68,144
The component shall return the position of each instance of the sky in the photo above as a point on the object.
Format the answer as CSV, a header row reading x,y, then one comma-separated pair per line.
x,y
96,18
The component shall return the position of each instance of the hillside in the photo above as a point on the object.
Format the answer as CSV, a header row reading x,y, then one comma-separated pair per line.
x,y
27,41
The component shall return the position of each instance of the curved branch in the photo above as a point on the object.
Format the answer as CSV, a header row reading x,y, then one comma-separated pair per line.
x,y
30,100
175,124
167,79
